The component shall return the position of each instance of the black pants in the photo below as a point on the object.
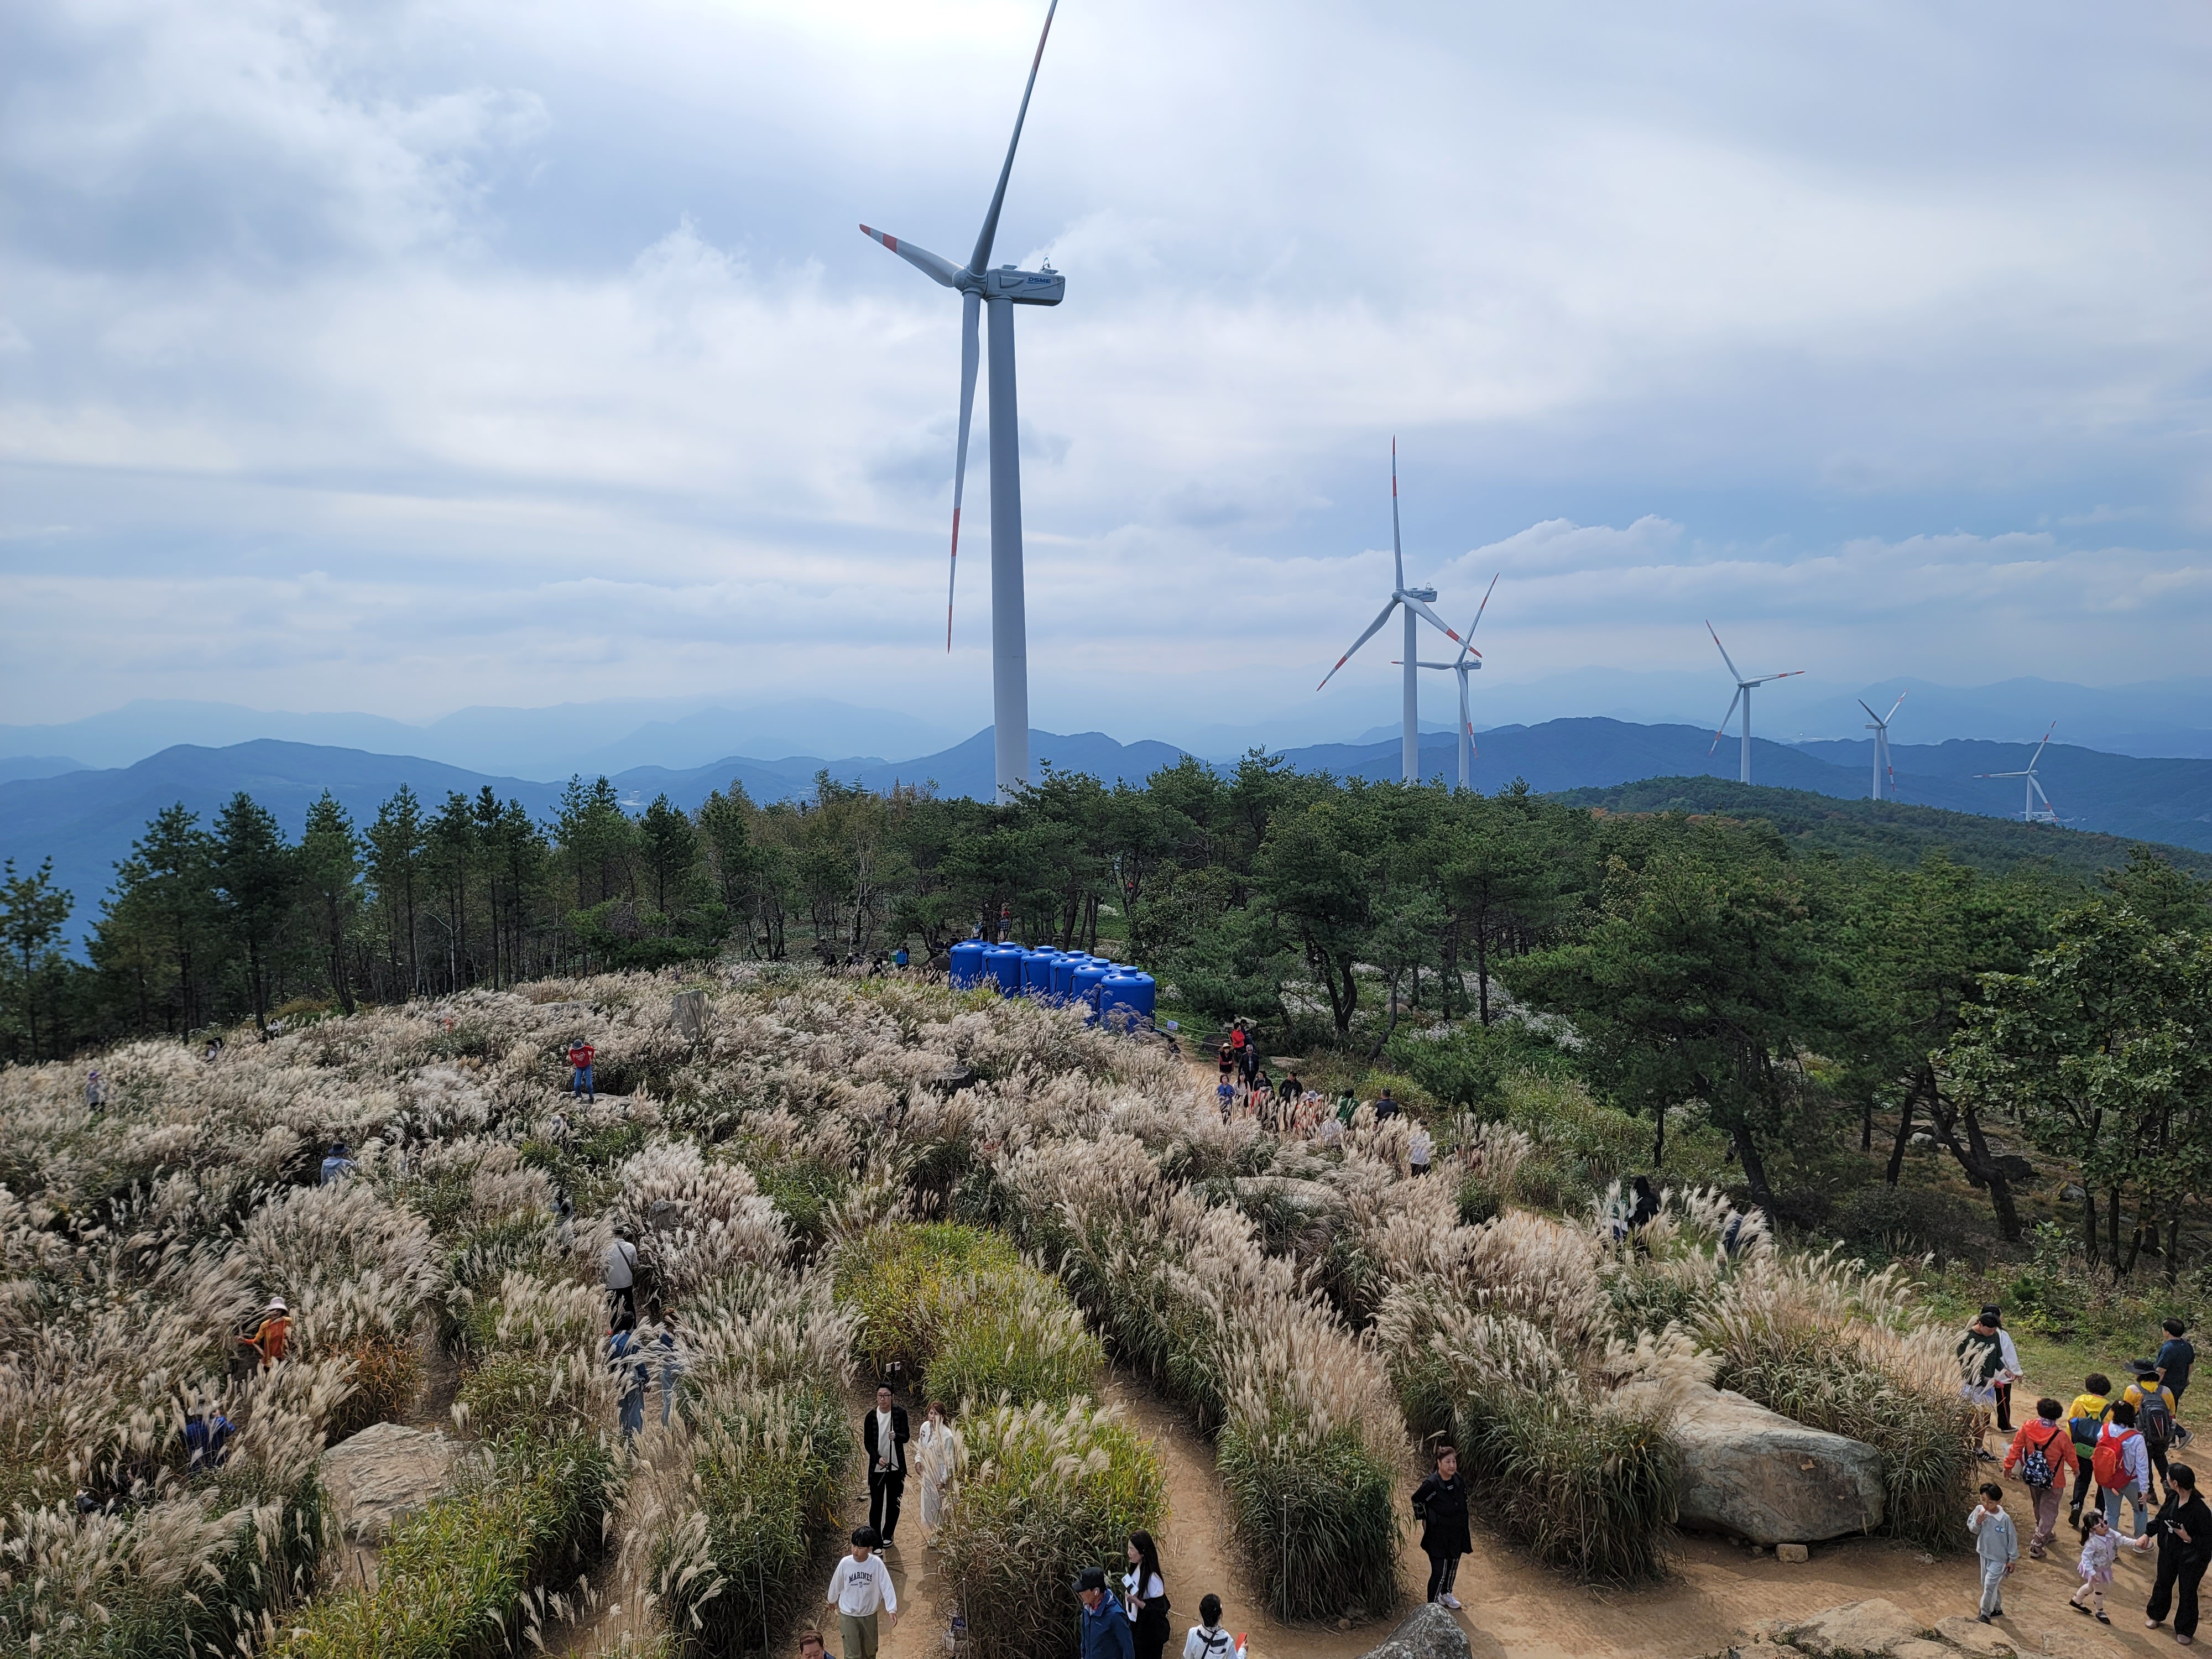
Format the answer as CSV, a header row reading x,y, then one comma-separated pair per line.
x,y
1442,1570
2081,1479
2157,1455
622,1300
2179,1567
2004,1408
886,1489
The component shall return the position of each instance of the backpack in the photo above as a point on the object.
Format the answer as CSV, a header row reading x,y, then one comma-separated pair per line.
x,y
2154,1422
2084,1430
2110,1465
2035,1467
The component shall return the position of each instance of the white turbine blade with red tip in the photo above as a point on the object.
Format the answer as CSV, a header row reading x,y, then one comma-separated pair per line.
x,y
933,267
2037,755
1467,646
1397,553
981,257
971,307
1725,658
1431,618
1899,703
1764,678
1371,629
1722,730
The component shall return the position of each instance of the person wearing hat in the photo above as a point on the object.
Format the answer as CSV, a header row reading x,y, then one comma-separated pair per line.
x,y
860,1589
337,1164
271,1336
1103,1629
621,1265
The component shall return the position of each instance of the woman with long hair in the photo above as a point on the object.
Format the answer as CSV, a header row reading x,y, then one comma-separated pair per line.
x,y
1145,1593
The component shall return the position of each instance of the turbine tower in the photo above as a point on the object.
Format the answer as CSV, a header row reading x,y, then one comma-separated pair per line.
x,y
1743,689
1416,601
2032,790
1466,663
1880,727
1003,288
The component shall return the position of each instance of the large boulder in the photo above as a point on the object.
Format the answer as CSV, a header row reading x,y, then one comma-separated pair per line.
x,y
1755,1474
1857,1630
1429,1633
383,1474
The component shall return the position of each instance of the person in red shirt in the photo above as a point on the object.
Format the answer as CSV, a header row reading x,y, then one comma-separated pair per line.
x,y
2050,1435
580,1055
272,1335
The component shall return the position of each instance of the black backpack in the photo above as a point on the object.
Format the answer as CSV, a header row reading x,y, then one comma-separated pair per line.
x,y
2154,1422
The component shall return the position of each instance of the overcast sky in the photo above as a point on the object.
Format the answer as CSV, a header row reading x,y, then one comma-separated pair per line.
x,y
399,356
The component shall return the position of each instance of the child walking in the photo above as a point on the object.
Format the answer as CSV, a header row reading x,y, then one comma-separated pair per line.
x,y
2099,1548
1996,1543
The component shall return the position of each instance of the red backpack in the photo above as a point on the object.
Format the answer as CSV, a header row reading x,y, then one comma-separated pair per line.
x,y
2110,1463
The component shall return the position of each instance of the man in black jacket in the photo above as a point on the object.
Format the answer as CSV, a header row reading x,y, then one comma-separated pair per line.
x,y
1440,1505
884,1435
2183,1530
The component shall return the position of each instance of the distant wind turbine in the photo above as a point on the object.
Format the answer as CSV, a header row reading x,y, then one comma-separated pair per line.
x,y
1416,601
2032,790
1743,690
1882,769
1466,663
1002,289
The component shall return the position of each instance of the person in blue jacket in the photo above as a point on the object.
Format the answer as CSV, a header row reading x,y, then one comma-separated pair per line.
x,y
1104,1629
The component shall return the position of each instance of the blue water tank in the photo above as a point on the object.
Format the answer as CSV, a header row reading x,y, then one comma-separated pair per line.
x,y
1083,987
1125,1000
1004,964
967,964
1063,974
1037,972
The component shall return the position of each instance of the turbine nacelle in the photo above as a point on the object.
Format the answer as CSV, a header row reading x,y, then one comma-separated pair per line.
x,y
1024,288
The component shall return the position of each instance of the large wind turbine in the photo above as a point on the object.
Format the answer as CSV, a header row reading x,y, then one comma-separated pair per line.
x,y
2032,790
1743,689
1880,727
1002,289
1466,663
1416,601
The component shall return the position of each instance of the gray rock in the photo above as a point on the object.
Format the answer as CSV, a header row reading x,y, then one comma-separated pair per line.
x,y
1429,1633
687,1011
1755,1474
1857,1630
383,1474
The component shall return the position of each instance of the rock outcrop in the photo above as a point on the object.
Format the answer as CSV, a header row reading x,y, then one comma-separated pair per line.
x,y
383,1474
1429,1633
1756,1475
1881,1630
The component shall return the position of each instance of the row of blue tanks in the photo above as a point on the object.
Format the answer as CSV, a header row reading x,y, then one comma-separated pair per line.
x,y
1121,996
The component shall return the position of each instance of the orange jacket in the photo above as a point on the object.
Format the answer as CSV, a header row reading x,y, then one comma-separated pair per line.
x,y
2055,1443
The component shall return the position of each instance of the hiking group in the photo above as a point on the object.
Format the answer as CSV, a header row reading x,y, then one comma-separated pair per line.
x,y
2121,1447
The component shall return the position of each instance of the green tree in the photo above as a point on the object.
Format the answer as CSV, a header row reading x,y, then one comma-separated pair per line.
x,y
396,843
253,878
330,884
1313,877
33,913
669,843
160,932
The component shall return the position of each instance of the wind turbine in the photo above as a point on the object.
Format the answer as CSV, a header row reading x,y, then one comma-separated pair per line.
x,y
1881,729
1743,689
1466,663
1001,288
1416,601
2032,790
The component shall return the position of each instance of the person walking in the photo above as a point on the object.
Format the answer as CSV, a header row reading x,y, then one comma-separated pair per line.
x,y
2176,1356
2043,1451
1981,1363
810,1645
620,1264
884,1436
2084,1417
933,1461
2183,1528
1145,1597
1206,1639
1996,1545
337,1164
1387,1107
95,1095
1420,1149
1102,1629
860,1589
2155,1407
581,1056
272,1335
625,1358
1228,1058
1440,1505
2009,1365
2101,1544
2121,1464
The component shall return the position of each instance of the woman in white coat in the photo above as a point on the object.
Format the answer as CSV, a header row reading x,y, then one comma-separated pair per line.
x,y
932,1457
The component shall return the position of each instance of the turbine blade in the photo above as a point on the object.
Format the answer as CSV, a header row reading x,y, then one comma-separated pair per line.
x,y
1871,715
1361,640
971,308
1722,730
1430,617
1791,675
2040,747
1467,644
981,257
1898,704
934,266
1397,553
1723,649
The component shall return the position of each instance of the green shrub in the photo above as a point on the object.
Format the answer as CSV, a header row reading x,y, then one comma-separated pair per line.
x,y
1045,1492
1467,1067
1317,1519
1592,1491
454,1578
